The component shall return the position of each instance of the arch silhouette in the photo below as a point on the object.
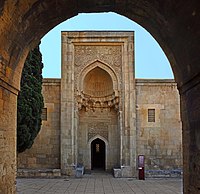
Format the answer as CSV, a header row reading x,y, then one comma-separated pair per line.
x,y
98,83
98,137
106,148
98,154
105,67
174,24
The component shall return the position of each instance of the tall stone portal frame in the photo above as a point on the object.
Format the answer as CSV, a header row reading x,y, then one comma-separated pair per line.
x,y
98,99
174,24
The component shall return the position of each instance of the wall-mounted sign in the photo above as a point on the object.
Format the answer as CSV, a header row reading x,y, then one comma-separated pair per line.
x,y
140,161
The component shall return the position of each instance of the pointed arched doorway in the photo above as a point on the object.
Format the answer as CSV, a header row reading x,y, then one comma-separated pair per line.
x,y
98,154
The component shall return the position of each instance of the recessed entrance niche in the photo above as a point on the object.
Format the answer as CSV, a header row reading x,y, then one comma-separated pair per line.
x,y
98,116
98,83
98,150
98,100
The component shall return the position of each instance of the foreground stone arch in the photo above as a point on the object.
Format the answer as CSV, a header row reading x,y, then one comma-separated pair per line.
x,y
174,24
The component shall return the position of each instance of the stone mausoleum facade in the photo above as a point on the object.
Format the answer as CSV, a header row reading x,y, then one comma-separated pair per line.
x,y
99,116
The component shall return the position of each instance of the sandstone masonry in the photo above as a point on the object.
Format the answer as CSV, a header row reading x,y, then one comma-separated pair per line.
x,y
99,116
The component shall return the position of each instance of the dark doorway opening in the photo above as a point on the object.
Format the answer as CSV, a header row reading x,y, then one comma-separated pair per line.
x,y
98,154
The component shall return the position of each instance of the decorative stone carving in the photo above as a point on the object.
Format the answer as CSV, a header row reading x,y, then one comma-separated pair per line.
x,y
88,102
108,53
87,54
98,128
96,89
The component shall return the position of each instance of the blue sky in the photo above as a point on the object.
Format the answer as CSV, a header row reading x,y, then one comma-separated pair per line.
x,y
150,60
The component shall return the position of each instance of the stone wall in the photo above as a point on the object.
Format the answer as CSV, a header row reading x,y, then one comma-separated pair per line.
x,y
97,75
45,152
159,141
101,123
8,110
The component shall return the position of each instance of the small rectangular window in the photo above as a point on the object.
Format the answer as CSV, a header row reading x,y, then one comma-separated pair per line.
x,y
44,114
97,148
151,115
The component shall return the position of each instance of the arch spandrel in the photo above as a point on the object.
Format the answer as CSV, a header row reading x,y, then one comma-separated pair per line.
x,y
97,137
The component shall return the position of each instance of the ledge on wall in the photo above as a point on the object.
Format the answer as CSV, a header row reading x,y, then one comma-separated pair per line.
x,y
45,173
163,173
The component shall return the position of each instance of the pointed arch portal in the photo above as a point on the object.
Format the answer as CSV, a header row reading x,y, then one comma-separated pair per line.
x,y
98,154
98,83
102,68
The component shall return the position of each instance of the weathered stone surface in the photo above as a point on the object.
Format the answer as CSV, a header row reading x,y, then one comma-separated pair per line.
x,y
163,173
117,172
47,173
94,89
174,24
45,152
7,141
98,116
191,138
159,141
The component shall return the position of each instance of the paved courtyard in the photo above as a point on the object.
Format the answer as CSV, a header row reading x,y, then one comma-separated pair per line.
x,y
99,184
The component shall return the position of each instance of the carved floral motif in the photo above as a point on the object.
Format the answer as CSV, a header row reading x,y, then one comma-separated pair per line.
x,y
98,128
86,54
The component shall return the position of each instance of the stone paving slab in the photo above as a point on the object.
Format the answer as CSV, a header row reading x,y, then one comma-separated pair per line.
x,y
99,184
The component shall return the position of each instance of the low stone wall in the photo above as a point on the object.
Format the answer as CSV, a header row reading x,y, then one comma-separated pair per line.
x,y
45,152
46,173
122,172
118,173
163,173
